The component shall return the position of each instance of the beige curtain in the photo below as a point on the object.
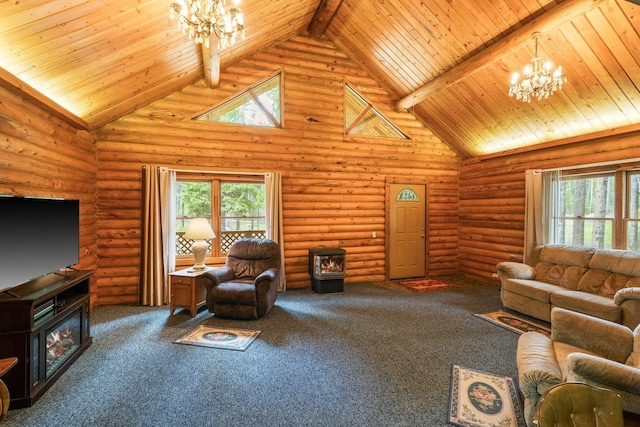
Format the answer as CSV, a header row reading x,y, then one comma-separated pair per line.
x,y
533,211
157,259
273,189
550,205
541,208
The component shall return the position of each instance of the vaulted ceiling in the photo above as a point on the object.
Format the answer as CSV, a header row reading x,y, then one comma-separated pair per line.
x,y
448,61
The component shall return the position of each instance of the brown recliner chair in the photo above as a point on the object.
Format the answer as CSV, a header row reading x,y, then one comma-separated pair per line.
x,y
579,404
247,286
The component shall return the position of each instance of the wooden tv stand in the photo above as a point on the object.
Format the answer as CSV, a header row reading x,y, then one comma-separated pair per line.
x,y
45,324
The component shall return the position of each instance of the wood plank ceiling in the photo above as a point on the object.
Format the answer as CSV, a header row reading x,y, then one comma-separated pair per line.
x,y
449,61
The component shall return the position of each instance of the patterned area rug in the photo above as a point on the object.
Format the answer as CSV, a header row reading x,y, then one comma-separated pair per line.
x,y
230,339
514,323
480,399
422,285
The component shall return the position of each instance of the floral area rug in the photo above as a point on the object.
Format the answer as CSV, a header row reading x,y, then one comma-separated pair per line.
x,y
514,323
422,285
230,339
480,399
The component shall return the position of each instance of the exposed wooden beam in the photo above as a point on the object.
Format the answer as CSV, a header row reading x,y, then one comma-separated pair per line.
x,y
20,88
322,18
211,62
560,14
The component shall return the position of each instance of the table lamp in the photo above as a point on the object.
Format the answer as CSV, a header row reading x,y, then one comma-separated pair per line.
x,y
199,231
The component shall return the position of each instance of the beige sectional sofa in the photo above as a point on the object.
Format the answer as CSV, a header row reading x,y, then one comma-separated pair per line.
x,y
597,282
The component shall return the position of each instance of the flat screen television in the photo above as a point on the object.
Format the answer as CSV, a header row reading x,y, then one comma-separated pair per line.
x,y
38,236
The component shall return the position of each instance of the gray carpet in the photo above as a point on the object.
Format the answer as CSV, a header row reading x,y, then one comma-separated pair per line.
x,y
370,356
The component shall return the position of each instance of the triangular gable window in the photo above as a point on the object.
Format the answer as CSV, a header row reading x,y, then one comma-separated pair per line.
x,y
361,118
260,105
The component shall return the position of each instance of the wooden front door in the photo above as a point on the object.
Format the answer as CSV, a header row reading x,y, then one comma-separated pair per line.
x,y
407,223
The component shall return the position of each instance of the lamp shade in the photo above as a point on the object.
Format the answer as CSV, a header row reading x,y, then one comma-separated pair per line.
x,y
199,229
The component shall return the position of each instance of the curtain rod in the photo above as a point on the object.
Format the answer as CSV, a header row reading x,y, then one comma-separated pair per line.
x,y
210,171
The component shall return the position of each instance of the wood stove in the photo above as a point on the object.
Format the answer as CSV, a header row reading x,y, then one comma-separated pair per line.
x,y
327,268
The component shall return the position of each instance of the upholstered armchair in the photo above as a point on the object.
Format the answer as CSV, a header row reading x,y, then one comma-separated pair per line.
x,y
246,287
579,404
581,348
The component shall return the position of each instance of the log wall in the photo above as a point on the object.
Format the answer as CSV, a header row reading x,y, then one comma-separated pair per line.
x,y
43,156
334,186
492,197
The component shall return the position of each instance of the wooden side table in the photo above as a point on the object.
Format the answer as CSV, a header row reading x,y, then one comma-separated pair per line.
x,y
5,399
187,290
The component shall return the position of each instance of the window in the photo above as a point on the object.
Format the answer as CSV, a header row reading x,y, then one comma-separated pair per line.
x,y
361,118
586,211
234,205
595,208
260,105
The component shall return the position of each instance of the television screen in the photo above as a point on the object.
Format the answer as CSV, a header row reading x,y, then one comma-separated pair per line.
x,y
37,237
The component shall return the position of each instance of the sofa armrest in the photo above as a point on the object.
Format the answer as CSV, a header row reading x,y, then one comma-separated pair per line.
x,y
625,294
593,369
265,278
215,277
591,333
629,301
537,366
538,370
515,270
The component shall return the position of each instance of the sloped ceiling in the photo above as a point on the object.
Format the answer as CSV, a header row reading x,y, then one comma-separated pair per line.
x,y
448,61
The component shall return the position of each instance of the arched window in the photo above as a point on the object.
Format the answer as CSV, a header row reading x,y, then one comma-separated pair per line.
x,y
407,195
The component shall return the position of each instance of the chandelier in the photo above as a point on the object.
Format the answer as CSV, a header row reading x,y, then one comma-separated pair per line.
x,y
538,81
202,18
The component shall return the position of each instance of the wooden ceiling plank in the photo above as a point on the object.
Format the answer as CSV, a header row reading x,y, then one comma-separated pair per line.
x,y
622,67
359,43
594,79
141,99
386,51
20,88
427,60
568,46
631,130
556,16
444,132
76,48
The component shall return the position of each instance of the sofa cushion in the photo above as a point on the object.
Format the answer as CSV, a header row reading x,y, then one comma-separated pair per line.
x,y
591,304
562,350
241,292
532,289
606,283
567,276
593,280
567,255
615,282
616,261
